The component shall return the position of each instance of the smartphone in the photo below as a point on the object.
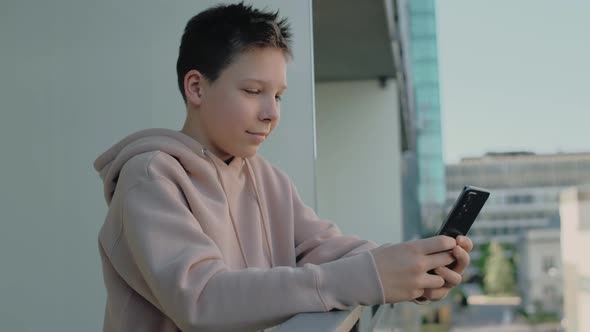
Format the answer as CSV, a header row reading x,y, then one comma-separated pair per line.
x,y
461,217
464,211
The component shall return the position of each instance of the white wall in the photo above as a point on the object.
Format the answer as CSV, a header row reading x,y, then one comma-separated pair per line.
x,y
575,245
75,77
359,158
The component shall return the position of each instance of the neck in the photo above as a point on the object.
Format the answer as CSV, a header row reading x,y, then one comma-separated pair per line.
x,y
193,129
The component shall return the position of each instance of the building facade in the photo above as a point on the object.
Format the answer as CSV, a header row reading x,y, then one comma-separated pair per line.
x,y
540,272
524,187
575,245
426,101
525,196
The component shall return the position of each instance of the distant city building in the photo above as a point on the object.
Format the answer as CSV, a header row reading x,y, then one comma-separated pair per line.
x,y
575,247
539,268
525,190
425,101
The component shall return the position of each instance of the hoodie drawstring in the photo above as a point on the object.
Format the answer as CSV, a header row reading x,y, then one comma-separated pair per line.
x,y
262,214
231,216
259,202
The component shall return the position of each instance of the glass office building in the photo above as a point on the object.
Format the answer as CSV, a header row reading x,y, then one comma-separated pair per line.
x,y
425,85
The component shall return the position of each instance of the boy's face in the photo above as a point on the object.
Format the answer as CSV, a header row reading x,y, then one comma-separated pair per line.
x,y
241,108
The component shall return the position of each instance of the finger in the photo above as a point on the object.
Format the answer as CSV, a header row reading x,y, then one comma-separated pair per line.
x,y
462,258
427,294
452,278
439,259
436,294
436,244
465,243
430,281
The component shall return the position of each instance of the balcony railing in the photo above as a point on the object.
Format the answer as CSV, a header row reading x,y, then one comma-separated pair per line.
x,y
359,319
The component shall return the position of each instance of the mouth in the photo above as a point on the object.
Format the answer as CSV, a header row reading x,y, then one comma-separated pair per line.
x,y
257,134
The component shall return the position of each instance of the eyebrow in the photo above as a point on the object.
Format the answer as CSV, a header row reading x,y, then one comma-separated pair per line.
x,y
282,87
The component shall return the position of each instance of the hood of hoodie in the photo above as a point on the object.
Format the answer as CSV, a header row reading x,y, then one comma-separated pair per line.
x,y
174,143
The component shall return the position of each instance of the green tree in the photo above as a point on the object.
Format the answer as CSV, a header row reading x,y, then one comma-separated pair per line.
x,y
498,272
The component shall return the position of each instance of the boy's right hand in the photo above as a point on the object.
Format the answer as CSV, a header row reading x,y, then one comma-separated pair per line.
x,y
403,268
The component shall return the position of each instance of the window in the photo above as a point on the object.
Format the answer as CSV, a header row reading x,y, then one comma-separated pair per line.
x,y
429,144
430,95
548,263
423,49
424,72
550,293
422,25
550,197
520,199
421,6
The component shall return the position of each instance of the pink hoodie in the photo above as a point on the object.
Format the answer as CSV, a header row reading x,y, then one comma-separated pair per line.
x,y
190,243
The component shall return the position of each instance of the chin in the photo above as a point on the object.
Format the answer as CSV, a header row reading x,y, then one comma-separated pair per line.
x,y
247,153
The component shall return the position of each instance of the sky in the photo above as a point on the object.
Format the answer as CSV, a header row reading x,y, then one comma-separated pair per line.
x,y
514,75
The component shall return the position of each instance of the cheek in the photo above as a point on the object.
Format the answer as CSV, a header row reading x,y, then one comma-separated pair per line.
x,y
224,111
231,115
231,122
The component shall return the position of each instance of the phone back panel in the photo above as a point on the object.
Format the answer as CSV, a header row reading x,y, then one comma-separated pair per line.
x,y
464,212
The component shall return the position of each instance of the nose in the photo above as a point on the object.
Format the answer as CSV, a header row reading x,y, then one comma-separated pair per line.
x,y
270,110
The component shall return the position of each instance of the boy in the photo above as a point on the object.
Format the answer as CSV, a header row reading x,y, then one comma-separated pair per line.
x,y
202,234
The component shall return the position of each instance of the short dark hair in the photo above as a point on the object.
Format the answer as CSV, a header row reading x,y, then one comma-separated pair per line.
x,y
215,36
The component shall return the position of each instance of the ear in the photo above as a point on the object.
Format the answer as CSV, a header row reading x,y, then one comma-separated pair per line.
x,y
194,83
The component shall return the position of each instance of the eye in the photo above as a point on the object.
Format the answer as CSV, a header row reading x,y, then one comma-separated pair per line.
x,y
251,91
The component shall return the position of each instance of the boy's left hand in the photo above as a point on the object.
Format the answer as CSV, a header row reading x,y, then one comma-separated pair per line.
x,y
452,275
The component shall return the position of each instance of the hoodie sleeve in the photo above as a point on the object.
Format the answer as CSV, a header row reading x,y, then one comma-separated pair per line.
x,y
318,241
188,281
